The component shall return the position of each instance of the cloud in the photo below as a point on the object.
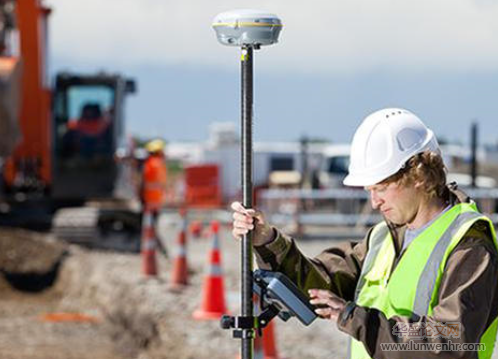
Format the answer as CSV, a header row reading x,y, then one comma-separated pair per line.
x,y
329,36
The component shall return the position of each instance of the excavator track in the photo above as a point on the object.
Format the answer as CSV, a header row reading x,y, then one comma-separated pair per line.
x,y
97,228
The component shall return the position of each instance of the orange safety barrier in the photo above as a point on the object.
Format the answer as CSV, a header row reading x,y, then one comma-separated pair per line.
x,y
148,245
213,297
179,277
202,186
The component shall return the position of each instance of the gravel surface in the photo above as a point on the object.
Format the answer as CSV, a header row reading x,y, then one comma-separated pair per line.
x,y
141,318
136,317
158,323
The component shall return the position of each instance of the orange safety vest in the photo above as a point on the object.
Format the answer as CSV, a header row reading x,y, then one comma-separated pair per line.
x,y
89,127
154,182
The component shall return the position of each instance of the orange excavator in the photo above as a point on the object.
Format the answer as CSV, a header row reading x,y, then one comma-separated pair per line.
x,y
59,146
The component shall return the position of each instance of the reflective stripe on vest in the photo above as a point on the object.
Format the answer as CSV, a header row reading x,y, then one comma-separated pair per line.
x,y
377,237
427,282
411,289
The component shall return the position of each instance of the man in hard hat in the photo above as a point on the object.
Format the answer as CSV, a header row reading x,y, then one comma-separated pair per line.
x,y
154,181
426,276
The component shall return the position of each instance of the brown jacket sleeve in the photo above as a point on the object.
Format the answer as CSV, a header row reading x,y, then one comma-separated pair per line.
x,y
336,269
467,295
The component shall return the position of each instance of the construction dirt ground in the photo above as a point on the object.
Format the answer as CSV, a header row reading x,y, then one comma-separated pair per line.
x,y
100,306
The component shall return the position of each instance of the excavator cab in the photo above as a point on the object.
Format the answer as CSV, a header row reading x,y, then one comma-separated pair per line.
x,y
87,130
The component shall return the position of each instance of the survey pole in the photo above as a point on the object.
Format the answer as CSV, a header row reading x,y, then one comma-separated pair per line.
x,y
247,191
249,30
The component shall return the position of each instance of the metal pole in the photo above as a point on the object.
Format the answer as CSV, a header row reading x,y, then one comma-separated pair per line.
x,y
473,149
304,161
247,201
304,169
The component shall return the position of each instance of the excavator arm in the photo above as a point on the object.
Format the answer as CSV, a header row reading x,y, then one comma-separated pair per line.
x,y
10,83
10,80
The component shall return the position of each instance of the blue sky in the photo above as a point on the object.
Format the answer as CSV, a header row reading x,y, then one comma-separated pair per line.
x,y
336,62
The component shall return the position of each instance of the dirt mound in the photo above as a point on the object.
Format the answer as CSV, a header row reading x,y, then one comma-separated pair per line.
x,y
23,251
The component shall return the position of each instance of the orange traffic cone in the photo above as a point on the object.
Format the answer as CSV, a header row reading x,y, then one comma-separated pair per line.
x,y
179,277
267,343
264,346
196,229
148,245
213,297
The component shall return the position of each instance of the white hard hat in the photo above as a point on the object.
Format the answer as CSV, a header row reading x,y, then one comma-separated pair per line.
x,y
383,143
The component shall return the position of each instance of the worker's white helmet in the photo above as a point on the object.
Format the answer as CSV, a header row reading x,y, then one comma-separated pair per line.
x,y
383,143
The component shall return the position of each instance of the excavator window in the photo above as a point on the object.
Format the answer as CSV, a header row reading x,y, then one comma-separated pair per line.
x,y
84,121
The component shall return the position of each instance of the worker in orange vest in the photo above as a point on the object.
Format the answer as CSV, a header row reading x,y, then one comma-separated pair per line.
x,y
154,176
91,122
89,135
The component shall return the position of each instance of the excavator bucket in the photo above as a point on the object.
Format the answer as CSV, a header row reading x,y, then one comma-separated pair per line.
x,y
10,81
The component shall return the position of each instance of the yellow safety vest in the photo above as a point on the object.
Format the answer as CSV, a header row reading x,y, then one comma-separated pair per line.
x,y
412,288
